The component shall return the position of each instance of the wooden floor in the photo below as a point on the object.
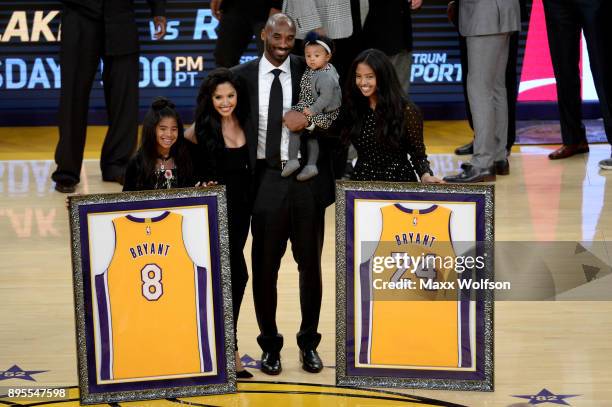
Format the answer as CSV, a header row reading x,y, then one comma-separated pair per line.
x,y
562,346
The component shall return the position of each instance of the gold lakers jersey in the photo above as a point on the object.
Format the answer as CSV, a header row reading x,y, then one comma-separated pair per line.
x,y
156,303
416,324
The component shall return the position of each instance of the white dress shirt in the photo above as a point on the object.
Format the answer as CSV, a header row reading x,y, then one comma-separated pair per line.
x,y
265,84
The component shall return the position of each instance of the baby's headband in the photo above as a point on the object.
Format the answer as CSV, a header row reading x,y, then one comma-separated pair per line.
x,y
321,43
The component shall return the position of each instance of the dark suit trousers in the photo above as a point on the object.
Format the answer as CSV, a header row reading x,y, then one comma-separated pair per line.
x,y
234,34
239,216
80,52
511,84
286,209
564,20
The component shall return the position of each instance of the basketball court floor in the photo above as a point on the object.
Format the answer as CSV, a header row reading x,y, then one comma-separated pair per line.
x,y
550,349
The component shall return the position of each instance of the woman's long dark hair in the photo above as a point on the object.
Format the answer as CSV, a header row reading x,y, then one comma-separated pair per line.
x,y
162,108
208,120
391,103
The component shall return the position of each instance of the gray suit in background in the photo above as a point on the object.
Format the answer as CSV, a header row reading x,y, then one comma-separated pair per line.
x,y
334,16
487,25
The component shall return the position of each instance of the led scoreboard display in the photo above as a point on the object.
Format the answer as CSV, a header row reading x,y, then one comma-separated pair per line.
x,y
174,67
30,32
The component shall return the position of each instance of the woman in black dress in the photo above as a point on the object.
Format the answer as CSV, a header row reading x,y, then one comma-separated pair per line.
x,y
224,159
382,125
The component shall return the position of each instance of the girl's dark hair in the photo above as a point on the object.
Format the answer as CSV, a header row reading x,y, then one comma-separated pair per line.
x,y
391,102
208,120
162,108
312,37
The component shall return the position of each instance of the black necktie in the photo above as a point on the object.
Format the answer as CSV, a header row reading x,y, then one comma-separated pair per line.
x,y
275,121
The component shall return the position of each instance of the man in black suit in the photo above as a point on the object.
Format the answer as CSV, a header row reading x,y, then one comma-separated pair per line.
x,y
564,21
238,21
94,29
284,208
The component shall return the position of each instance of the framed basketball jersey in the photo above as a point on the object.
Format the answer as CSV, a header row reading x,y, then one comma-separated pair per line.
x,y
408,260
153,295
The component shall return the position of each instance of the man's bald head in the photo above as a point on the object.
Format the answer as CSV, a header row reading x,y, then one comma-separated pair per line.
x,y
279,18
279,37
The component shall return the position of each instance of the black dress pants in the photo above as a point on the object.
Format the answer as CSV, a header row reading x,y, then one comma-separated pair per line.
x,y
511,84
286,210
234,34
564,21
239,217
82,46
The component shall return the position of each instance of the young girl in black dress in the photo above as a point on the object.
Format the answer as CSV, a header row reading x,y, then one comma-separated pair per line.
x,y
163,159
224,158
382,125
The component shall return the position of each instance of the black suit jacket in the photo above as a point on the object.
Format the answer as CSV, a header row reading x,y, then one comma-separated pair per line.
x,y
388,26
119,20
257,10
323,183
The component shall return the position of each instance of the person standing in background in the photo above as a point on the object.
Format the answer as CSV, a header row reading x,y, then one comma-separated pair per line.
x,y
487,26
239,21
330,18
606,164
511,78
94,29
564,21
388,27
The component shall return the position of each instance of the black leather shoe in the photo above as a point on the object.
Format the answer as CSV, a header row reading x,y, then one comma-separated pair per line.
x,y
465,149
502,167
466,165
65,187
311,362
472,174
568,150
270,363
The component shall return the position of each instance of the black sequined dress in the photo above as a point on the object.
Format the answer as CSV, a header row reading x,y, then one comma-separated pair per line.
x,y
378,162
